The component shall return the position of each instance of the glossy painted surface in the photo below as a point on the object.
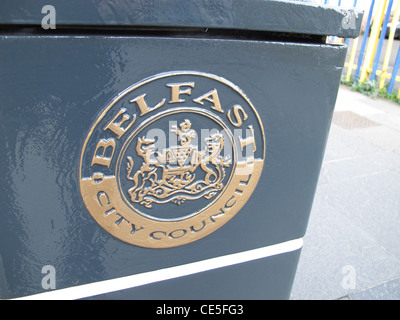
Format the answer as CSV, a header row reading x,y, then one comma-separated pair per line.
x,y
52,89
266,15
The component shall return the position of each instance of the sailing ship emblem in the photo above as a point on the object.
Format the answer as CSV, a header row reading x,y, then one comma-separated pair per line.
x,y
178,173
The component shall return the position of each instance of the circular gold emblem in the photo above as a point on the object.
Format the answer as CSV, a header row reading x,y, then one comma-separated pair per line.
x,y
171,159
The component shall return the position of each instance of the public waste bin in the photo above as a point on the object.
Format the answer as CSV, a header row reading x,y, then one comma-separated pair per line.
x,y
162,149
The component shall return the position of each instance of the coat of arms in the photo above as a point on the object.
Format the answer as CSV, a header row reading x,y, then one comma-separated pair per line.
x,y
149,179
178,173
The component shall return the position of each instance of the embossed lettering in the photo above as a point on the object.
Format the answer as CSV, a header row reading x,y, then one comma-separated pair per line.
x,y
116,127
237,109
176,234
143,105
221,213
132,174
118,218
249,140
134,229
229,203
117,222
152,235
212,97
176,90
104,158
197,230
102,196
108,212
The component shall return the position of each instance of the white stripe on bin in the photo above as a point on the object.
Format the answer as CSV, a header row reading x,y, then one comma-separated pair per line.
x,y
117,284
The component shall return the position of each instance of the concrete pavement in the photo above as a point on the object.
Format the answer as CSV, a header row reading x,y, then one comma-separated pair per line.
x,y
352,246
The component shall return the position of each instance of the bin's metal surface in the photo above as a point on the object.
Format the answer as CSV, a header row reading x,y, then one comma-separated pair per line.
x,y
88,194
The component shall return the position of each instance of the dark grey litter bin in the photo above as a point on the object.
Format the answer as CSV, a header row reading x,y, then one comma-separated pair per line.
x,y
162,149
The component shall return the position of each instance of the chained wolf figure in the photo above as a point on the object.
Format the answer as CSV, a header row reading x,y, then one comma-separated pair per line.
x,y
180,172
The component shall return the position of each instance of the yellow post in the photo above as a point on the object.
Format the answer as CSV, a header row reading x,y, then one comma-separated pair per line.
x,y
373,40
389,46
351,61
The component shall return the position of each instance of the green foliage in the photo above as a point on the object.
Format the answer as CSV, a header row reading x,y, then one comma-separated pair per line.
x,y
368,88
393,96
371,89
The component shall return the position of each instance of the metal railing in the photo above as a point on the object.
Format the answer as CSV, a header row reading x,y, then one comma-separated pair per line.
x,y
364,65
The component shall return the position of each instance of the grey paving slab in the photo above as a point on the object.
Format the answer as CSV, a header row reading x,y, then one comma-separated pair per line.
x,y
383,137
372,203
352,248
333,244
359,166
339,145
386,291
